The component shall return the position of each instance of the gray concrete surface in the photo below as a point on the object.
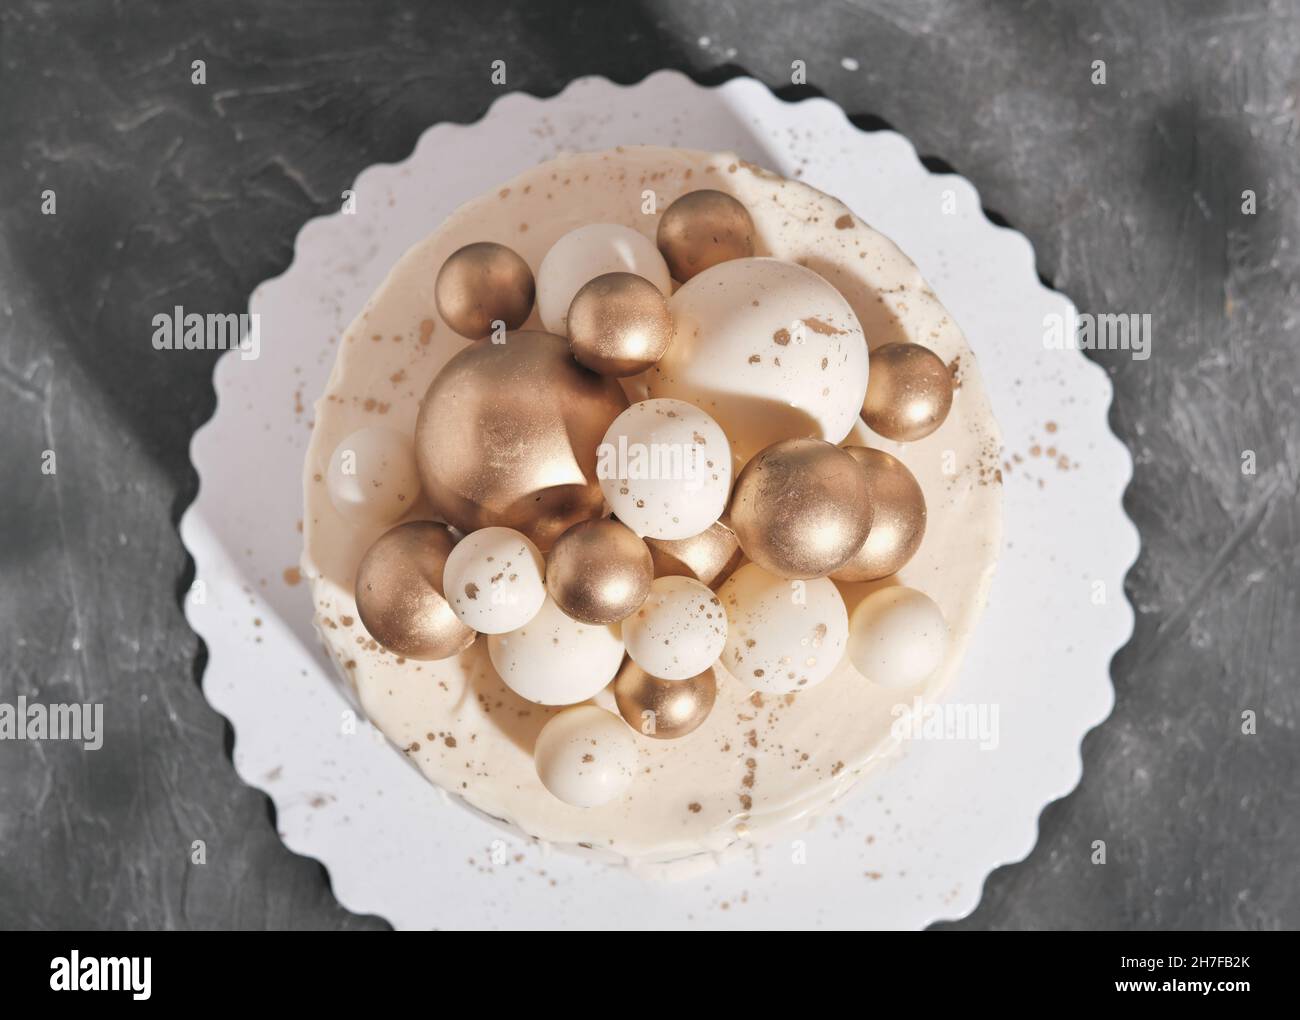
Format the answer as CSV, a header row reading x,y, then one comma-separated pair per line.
x,y
173,194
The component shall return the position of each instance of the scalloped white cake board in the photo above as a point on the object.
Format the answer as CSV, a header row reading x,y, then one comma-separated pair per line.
x,y
916,839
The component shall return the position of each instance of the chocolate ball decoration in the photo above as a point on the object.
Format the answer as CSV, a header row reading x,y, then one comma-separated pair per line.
x,y
400,595
801,508
701,229
619,324
599,572
663,709
897,522
709,557
507,435
909,392
483,283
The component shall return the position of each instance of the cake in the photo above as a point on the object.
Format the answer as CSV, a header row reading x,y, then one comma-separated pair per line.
x,y
475,376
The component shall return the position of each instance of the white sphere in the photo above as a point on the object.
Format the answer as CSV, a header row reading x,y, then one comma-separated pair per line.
x,y
897,637
782,635
679,631
770,349
555,660
372,477
494,579
585,756
665,469
583,254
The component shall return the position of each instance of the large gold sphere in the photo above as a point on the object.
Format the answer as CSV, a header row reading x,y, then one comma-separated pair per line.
x,y
897,522
663,709
480,284
701,229
801,508
909,392
599,572
400,596
709,557
619,324
507,435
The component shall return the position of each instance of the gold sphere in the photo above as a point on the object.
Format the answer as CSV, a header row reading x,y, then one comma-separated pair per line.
x,y
801,508
897,522
480,284
399,593
663,709
909,392
701,229
599,572
619,324
508,433
709,557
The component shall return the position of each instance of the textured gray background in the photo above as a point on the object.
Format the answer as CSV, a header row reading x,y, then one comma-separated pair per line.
x,y
174,194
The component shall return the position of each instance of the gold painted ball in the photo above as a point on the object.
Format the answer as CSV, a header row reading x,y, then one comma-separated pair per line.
x,y
909,392
400,595
664,709
702,229
599,572
483,283
801,508
709,557
897,522
619,324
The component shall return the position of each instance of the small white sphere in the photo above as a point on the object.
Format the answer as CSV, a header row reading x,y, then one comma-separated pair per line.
x,y
494,580
372,477
583,254
897,637
665,469
679,631
770,349
585,756
782,635
555,660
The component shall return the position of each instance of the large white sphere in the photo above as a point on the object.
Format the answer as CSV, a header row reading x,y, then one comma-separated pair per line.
x,y
495,580
585,756
372,477
665,469
583,254
555,660
679,631
782,635
897,637
770,349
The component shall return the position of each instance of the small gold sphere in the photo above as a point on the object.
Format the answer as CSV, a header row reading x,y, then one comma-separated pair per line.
x,y
480,284
663,709
619,324
599,572
709,557
701,229
909,392
897,522
801,508
400,597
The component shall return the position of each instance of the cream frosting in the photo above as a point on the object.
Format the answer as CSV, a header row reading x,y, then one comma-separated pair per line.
x,y
760,764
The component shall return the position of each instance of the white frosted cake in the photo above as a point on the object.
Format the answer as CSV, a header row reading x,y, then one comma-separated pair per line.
x,y
767,355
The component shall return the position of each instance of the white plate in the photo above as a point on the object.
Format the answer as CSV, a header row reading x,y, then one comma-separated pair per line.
x,y
914,843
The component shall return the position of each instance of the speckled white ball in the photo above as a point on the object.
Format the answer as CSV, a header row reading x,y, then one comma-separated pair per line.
x,y
897,637
782,635
495,580
769,349
665,469
585,756
372,477
679,631
555,660
583,254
